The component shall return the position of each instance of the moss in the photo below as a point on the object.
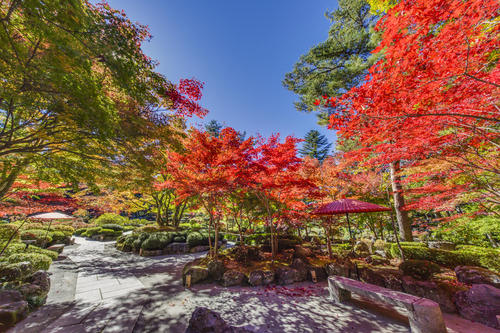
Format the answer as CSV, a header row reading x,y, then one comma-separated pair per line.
x,y
419,269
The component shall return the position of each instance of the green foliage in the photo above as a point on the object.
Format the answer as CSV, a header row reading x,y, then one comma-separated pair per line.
x,y
315,145
110,232
137,242
67,229
115,227
110,218
196,238
470,231
40,236
91,231
470,256
7,230
213,127
157,241
419,269
58,236
147,228
37,260
339,63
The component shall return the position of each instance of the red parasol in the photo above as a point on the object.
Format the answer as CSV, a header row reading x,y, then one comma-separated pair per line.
x,y
346,206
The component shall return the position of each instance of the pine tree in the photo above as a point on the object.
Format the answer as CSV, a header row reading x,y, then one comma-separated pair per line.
x,y
213,128
340,62
316,145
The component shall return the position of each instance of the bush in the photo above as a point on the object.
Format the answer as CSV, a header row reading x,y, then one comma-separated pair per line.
x,y
419,269
115,227
27,226
78,232
379,245
110,232
58,236
470,231
157,241
37,260
196,238
7,230
110,218
472,256
35,249
40,236
136,244
147,228
66,229
92,231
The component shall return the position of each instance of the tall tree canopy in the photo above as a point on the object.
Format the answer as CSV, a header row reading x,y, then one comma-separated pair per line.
x,y
75,83
339,63
315,145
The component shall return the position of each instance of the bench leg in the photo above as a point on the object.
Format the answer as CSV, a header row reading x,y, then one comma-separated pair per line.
x,y
337,294
426,317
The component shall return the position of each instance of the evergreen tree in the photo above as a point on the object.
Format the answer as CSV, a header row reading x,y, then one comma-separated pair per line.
x,y
213,128
316,145
336,65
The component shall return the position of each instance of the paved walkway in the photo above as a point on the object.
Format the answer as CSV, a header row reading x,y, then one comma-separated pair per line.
x,y
99,289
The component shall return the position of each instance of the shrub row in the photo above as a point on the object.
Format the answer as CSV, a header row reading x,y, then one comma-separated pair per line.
x,y
465,255
160,239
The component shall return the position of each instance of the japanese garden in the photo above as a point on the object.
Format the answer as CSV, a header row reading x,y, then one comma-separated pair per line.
x,y
357,188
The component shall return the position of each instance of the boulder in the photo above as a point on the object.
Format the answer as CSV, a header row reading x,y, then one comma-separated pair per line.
x,y
233,278
340,268
199,248
440,245
480,303
302,268
198,273
477,275
41,279
430,290
208,321
176,248
15,272
260,278
361,247
302,252
216,270
13,308
419,269
57,247
287,275
320,273
377,260
372,276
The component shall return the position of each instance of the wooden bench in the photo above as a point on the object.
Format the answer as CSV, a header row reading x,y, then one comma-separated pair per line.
x,y
424,315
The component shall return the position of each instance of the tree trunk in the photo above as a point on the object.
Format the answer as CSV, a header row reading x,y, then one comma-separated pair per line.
x,y
329,241
399,202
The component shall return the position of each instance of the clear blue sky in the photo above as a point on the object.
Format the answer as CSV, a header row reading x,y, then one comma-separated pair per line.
x,y
241,50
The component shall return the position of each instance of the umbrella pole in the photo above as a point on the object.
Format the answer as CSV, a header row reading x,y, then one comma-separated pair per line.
x,y
349,226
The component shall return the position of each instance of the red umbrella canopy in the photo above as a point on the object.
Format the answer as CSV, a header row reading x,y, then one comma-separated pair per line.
x,y
343,206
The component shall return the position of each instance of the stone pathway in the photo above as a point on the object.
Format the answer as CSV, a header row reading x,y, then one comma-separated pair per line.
x,y
99,289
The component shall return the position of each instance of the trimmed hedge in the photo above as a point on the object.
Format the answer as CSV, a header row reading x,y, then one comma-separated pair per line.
x,y
157,241
467,256
110,218
115,227
37,260
6,231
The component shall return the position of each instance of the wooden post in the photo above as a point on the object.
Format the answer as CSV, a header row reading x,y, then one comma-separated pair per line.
x,y
188,281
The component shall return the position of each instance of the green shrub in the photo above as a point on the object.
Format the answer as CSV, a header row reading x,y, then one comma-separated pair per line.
x,y
138,222
196,238
58,236
110,218
92,232
484,257
115,227
157,241
40,236
27,226
419,269
37,260
379,245
147,228
66,229
80,231
7,230
470,231
136,244
35,249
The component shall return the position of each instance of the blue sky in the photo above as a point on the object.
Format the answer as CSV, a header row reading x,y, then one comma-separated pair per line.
x,y
241,50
